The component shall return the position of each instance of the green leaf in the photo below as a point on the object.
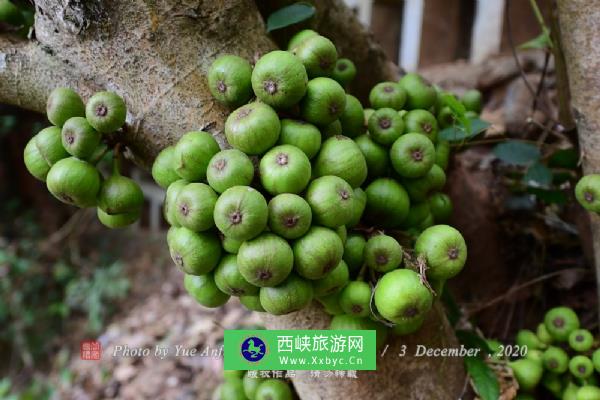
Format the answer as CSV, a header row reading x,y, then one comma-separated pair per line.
x,y
458,133
483,377
542,41
517,153
290,15
564,158
538,175
458,109
549,196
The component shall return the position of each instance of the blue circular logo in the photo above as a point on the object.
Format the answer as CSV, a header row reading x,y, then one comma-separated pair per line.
x,y
253,349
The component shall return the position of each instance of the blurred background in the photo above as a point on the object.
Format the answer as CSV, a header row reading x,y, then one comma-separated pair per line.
x,y
64,278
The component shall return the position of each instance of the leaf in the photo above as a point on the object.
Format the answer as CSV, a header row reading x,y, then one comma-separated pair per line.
x,y
549,196
538,175
542,41
289,15
483,377
458,109
564,158
517,153
472,340
459,133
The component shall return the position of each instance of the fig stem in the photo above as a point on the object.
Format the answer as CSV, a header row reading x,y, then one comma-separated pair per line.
x,y
100,155
116,167
361,273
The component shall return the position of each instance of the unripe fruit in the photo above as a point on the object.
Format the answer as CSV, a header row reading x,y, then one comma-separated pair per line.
x,y
355,299
49,144
265,260
230,390
555,360
241,213
400,296
340,156
419,94
120,195
79,138
581,340
543,334
74,182
195,253
419,189
193,151
345,322
358,207
64,103
532,354
440,206
331,201
527,372
194,205
526,338
290,215
387,95
581,367
342,233
421,121
205,291
352,119
229,279
588,392
301,134
553,383
333,282
560,322
284,169
232,375
106,112
34,161
291,295
376,156
387,203
471,99
279,79
10,13
229,168
417,214
251,384
587,192
117,220
596,360
252,303
229,80
253,128
169,207
412,155
570,392
445,118
408,327
230,245
300,37
318,55
317,253
385,126
331,304
444,249
383,253
273,389
163,168
344,71
324,102
332,129
354,251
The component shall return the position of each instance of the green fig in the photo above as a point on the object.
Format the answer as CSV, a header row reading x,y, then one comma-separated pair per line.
x,y
279,79
229,168
471,99
64,103
444,249
386,126
331,201
333,282
241,213
252,303
555,360
79,138
331,304
251,384
344,71
587,192
354,251
230,245
291,295
412,155
229,80
352,119
324,102
387,95
560,322
318,54
229,279
303,135
376,156
193,152
117,220
581,366
588,392
581,340
74,182
194,207
528,373
169,209
195,253
419,189
163,168
400,296
526,338
204,289
290,216
383,253
419,94
421,121
440,206
340,156
300,37
332,129
49,144
253,128
317,253
34,161
265,260
387,203
120,195
355,299
358,207
106,112
284,169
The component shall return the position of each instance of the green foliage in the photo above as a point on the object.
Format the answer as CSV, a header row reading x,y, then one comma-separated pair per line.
x,y
484,379
460,132
516,152
290,15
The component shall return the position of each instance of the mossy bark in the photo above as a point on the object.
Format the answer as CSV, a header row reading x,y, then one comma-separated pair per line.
x,y
580,40
156,55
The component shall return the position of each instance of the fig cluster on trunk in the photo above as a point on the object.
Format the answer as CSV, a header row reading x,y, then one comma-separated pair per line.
x,y
66,156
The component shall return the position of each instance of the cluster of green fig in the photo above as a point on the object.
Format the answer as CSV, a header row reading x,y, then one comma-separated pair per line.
x,y
65,156
308,201
561,357
587,192
239,385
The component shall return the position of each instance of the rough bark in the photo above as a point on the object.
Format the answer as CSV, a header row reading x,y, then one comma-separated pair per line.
x,y
156,55
580,40
396,377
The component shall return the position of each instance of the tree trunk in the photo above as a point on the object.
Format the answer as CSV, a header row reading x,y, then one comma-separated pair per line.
x,y
156,55
580,39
